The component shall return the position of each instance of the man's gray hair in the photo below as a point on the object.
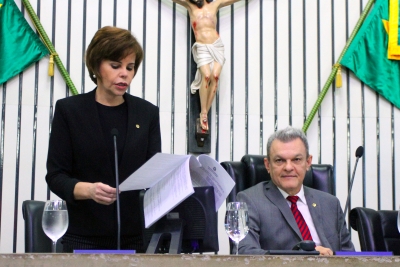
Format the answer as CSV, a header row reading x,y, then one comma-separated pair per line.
x,y
286,135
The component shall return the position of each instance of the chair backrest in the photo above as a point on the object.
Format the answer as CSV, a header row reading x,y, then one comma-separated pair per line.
x,y
35,239
251,171
377,230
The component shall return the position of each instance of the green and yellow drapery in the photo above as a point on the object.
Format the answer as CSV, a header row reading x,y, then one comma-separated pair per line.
x,y
20,46
336,68
374,53
392,28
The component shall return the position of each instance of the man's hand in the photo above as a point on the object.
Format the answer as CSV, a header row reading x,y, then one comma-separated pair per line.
x,y
323,251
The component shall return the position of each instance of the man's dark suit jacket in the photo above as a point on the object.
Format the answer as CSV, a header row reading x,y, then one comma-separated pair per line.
x,y
273,227
78,152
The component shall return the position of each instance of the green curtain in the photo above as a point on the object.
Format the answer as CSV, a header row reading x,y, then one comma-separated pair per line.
x,y
19,45
367,55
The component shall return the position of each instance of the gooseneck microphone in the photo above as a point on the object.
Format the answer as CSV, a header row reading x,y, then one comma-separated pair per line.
x,y
359,154
114,133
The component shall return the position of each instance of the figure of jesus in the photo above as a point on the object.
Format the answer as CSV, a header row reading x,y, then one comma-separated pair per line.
x,y
208,50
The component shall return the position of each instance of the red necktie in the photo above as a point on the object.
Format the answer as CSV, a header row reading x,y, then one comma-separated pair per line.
x,y
305,232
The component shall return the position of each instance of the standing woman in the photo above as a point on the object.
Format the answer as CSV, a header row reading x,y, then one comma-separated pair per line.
x,y
81,164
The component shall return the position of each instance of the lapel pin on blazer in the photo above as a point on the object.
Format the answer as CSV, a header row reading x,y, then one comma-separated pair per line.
x,y
137,126
314,205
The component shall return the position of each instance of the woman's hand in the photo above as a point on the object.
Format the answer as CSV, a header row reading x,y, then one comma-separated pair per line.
x,y
99,192
102,193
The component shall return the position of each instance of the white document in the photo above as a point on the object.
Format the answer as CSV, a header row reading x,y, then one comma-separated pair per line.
x,y
155,169
171,178
211,173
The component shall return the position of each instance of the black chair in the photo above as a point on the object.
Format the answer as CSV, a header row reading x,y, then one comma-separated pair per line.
x,y
251,171
36,241
377,230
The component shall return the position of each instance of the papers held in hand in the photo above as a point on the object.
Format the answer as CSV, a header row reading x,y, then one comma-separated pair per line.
x,y
171,178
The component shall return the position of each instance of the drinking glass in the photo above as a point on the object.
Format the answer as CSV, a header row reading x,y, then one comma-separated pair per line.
x,y
398,220
236,220
55,220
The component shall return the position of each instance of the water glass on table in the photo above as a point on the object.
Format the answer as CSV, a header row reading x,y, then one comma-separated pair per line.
x,y
398,220
55,220
236,222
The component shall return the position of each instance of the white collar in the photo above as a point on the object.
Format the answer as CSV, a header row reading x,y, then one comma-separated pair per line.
x,y
300,194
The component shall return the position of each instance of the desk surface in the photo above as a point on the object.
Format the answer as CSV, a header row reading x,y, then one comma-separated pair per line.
x,y
147,260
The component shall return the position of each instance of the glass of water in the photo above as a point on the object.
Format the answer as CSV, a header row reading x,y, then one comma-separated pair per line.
x,y
398,220
55,220
236,222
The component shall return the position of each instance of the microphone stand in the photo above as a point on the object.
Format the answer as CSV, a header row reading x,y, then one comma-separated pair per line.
x,y
359,153
351,185
114,132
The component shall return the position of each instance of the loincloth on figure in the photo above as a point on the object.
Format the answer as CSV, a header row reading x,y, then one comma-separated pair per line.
x,y
206,54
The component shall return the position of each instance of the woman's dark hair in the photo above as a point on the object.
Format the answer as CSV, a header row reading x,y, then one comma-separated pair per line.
x,y
111,43
200,3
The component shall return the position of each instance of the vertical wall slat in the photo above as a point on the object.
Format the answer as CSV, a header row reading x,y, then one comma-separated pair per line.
x,y
261,137
246,78
232,133
2,136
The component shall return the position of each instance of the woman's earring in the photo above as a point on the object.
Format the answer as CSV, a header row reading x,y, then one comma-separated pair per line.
x,y
94,76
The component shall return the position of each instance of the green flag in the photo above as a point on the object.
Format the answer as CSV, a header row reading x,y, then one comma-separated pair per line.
x,y
367,55
19,45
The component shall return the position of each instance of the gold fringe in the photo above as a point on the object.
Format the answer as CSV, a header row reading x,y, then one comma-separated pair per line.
x,y
51,64
338,76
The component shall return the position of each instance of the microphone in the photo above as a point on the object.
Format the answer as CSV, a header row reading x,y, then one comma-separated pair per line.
x,y
114,133
359,154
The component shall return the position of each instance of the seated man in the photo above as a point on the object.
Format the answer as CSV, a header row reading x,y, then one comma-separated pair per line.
x,y
272,223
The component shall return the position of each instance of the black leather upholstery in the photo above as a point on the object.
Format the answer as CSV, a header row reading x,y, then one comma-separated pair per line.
x,y
377,230
35,239
251,171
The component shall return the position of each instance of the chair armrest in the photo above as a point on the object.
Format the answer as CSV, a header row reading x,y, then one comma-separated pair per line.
x,y
368,224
